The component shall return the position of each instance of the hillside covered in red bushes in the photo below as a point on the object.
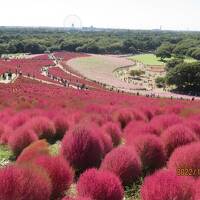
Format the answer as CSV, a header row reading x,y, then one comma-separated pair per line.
x,y
107,144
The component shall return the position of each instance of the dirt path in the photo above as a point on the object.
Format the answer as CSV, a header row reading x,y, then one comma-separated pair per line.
x,y
100,68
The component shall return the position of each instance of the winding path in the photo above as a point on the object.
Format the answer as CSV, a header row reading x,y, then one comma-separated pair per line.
x,y
100,68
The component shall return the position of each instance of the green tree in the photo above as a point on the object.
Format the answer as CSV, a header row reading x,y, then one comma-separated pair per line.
x,y
160,82
173,62
164,51
34,48
136,72
186,77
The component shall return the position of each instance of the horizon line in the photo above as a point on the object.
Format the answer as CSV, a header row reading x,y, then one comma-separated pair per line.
x,y
99,28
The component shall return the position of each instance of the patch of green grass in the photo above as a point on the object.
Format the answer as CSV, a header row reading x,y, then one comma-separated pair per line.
x,y
147,59
133,192
189,60
5,155
151,59
54,149
14,54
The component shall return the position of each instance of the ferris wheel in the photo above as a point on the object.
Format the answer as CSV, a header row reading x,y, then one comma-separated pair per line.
x,y
72,22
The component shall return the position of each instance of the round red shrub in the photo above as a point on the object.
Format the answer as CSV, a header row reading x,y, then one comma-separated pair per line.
x,y
149,112
166,185
137,128
6,114
21,138
61,125
6,132
151,151
185,157
176,109
113,130
197,189
60,173
100,185
124,162
18,120
82,148
43,127
176,136
2,128
162,122
104,139
34,150
193,125
24,183
138,115
97,119
124,116
106,143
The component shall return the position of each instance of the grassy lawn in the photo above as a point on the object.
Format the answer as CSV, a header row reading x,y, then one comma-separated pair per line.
x,y
151,59
5,155
189,60
147,59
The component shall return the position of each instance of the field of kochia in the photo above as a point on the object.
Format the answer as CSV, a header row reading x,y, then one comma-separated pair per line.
x,y
62,143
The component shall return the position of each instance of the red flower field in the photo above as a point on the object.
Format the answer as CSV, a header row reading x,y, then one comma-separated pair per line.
x,y
93,144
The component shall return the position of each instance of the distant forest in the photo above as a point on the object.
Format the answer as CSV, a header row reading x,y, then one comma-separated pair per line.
x,y
39,40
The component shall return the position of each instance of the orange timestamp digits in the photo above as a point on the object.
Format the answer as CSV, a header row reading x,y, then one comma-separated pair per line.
x,y
188,171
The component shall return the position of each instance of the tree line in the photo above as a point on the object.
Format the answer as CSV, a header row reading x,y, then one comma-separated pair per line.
x,y
39,40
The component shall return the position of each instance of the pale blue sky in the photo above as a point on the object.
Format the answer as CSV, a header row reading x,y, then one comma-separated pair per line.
x,y
134,14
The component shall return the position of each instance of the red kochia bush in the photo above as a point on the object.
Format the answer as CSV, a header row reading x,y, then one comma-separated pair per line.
x,y
162,122
43,127
21,138
106,143
151,151
137,128
18,120
194,126
104,139
138,115
124,162
166,185
77,198
24,183
113,130
176,136
124,116
100,185
60,173
61,125
2,128
6,132
186,157
82,148
197,189
36,149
